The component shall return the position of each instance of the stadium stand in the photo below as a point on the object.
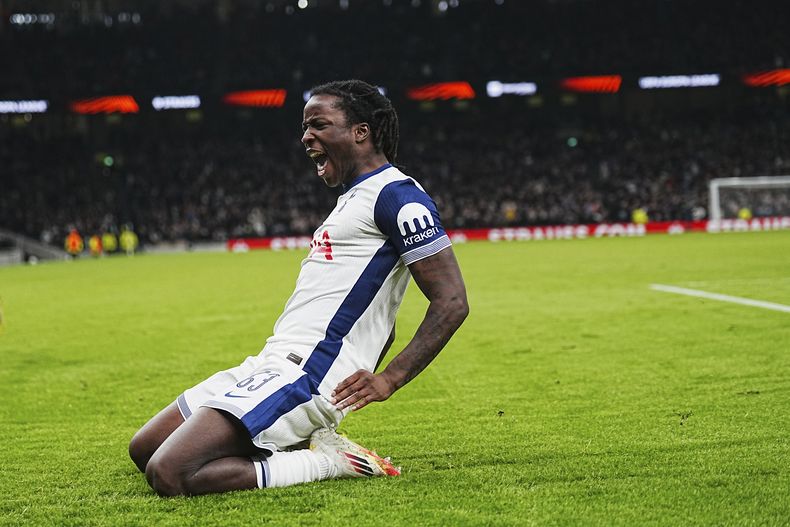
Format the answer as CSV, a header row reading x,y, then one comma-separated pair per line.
x,y
483,172
567,160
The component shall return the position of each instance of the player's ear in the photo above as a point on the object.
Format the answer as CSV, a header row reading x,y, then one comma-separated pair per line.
x,y
361,132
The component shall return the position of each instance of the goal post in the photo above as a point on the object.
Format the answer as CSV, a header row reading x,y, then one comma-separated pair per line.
x,y
758,194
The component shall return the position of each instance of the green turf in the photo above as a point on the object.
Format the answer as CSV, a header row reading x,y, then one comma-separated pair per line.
x,y
572,395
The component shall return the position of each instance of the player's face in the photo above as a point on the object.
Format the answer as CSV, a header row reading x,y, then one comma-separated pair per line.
x,y
329,140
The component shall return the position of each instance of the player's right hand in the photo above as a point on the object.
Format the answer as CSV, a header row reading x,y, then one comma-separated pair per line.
x,y
360,389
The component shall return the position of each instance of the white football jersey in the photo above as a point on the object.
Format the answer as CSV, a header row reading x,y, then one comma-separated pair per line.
x,y
353,280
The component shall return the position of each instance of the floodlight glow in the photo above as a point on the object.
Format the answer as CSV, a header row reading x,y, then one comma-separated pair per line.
x,y
764,79
680,81
498,89
256,98
175,102
593,84
110,104
23,19
31,106
442,91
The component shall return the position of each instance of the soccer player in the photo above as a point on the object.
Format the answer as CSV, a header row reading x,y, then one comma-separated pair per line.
x,y
74,244
243,428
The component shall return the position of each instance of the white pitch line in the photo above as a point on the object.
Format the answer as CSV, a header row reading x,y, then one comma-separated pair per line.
x,y
720,298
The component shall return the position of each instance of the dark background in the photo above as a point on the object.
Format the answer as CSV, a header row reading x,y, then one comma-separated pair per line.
x,y
221,171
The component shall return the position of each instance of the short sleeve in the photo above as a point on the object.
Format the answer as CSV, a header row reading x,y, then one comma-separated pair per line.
x,y
408,216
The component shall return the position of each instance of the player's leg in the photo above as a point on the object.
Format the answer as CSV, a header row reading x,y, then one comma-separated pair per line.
x,y
211,452
214,452
148,439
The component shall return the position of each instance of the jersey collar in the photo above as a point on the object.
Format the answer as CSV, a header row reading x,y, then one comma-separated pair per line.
x,y
359,179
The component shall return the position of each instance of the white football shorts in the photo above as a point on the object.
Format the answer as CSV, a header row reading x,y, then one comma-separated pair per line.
x,y
274,399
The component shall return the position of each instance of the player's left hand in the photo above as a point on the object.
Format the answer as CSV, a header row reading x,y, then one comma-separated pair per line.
x,y
360,389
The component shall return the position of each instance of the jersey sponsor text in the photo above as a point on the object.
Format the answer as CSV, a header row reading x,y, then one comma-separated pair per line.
x,y
416,238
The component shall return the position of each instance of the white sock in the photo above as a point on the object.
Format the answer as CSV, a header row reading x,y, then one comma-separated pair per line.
x,y
283,469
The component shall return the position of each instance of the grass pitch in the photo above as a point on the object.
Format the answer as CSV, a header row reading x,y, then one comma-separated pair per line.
x,y
573,394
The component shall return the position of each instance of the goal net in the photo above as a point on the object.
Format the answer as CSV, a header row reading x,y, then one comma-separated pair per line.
x,y
744,197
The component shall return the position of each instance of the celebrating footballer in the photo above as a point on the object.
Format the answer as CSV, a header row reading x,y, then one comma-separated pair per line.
x,y
271,421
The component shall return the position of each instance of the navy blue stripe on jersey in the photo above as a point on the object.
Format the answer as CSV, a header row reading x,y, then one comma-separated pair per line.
x,y
408,216
278,404
351,309
183,406
359,179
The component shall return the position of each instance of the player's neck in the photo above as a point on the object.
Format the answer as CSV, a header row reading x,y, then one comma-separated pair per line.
x,y
364,167
370,163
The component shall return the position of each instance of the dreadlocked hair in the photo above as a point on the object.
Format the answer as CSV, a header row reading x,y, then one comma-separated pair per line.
x,y
363,103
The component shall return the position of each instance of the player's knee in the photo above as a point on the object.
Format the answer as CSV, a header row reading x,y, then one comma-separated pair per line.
x,y
165,477
136,452
139,451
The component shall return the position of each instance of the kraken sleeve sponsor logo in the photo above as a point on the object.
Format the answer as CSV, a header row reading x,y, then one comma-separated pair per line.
x,y
416,223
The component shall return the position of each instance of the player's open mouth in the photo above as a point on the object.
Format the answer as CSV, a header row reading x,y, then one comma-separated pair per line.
x,y
320,159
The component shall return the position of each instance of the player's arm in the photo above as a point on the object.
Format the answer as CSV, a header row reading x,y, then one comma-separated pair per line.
x,y
440,280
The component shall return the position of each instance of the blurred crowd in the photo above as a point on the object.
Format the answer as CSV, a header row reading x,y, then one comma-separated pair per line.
x,y
597,172
487,163
483,169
